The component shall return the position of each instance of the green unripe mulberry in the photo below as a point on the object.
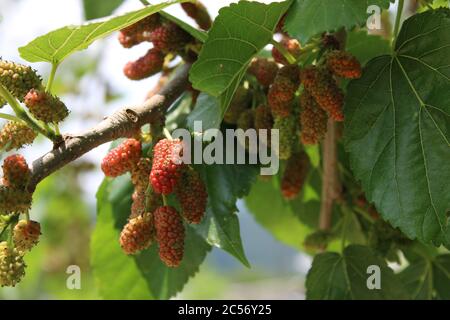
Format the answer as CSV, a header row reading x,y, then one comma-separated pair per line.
x,y
18,79
15,135
12,266
287,136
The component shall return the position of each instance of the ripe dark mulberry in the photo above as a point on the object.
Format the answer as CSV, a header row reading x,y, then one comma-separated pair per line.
x,y
282,91
168,37
122,158
26,234
15,135
12,266
313,120
264,71
146,66
16,173
137,234
325,90
197,11
291,45
18,78
139,31
167,165
343,64
295,175
43,106
192,195
170,235
239,104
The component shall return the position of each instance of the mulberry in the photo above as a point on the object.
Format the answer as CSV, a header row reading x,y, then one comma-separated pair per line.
x,y
282,92
15,171
170,235
146,66
144,201
122,158
246,120
15,135
325,90
12,266
313,120
264,121
18,78
318,240
26,235
239,104
137,234
14,200
295,175
43,106
167,165
139,31
192,195
168,38
140,173
343,64
291,45
264,71
197,11
287,136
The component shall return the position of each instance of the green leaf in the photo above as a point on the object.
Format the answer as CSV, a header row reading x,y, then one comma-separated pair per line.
x,y
427,279
366,47
57,45
225,184
397,129
200,35
341,277
279,216
207,110
307,18
237,35
94,9
142,276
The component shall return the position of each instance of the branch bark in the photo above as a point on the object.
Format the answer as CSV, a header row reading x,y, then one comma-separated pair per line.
x,y
122,123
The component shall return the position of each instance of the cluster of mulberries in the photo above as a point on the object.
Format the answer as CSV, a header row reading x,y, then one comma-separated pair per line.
x,y
168,40
45,107
197,11
295,174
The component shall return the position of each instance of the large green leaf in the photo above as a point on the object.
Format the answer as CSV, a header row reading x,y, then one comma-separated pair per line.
x,y
207,110
135,277
337,277
237,35
94,9
57,45
307,18
428,279
397,129
225,184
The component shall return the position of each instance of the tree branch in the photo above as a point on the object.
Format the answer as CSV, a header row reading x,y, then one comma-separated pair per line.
x,y
123,123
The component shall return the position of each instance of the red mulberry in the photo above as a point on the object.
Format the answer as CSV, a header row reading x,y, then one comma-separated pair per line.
x,y
137,234
43,106
264,71
146,66
168,38
197,11
295,175
192,195
167,165
122,158
282,92
343,64
139,31
15,171
313,120
325,90
170,235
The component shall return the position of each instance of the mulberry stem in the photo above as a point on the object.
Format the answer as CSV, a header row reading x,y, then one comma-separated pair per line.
x,y
167,134
289,57
11,117
401,4
51,78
